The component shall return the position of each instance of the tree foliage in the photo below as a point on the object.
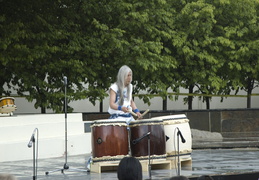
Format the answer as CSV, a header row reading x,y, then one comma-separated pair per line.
x,y
203,45
237,32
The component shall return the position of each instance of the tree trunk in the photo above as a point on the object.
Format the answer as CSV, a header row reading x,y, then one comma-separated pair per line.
x,y
248,100
43,110
250,85
190,98
165,104
101,106
207,99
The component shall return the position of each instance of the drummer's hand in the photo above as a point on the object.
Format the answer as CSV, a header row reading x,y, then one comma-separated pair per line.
x,y
139,115
125,109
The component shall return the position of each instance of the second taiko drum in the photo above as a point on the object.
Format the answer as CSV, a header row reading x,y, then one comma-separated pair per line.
x,y
157,138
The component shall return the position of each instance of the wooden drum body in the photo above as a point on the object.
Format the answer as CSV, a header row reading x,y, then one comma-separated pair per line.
x,y
109,140
171,123
157,139
7,105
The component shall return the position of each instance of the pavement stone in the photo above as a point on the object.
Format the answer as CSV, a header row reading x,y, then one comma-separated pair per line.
x,y
208,158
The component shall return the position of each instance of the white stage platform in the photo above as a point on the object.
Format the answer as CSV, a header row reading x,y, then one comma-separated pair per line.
x,y
16,131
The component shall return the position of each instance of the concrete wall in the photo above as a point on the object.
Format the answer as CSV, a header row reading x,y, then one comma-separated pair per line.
x,y
230,123
156,103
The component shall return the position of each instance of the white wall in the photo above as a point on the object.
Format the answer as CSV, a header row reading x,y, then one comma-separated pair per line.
x,y
23,106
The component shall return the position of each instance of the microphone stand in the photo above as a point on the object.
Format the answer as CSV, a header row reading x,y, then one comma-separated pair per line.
x,y
65,167
149,166
178,173
32,143
138,140
178,144
34,161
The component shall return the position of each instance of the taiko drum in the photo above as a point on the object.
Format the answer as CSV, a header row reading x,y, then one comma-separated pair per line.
x,y
157,137
171,123
109,138
8,101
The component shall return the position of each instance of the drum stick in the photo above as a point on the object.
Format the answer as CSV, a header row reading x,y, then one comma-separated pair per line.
x,y
144,113
134,114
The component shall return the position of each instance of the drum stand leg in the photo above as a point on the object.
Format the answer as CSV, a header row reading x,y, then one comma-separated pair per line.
x,y
66,167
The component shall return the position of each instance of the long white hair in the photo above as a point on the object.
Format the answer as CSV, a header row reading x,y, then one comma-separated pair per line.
x,y
121,77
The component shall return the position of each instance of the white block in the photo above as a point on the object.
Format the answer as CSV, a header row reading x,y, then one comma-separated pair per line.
x,y
16,131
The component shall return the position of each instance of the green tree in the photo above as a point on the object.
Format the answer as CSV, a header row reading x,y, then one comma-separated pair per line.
x,y
237,32
148,27
37,52
195,44
198,64
7,34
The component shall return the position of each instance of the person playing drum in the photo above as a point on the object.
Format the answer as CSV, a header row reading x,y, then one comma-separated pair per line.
x,y
121,104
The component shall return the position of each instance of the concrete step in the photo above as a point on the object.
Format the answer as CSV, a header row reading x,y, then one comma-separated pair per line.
x,y
16,132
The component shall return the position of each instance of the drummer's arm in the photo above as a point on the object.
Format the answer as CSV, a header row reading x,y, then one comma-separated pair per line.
x,y
134,108
112,103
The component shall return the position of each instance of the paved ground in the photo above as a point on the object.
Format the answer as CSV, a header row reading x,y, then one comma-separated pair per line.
x,y
204,161
213,157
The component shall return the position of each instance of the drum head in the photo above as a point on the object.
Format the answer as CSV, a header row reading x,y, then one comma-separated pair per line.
x,y
146,122
108,122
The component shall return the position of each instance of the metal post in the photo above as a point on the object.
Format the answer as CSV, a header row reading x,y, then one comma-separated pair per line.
x,y
149,165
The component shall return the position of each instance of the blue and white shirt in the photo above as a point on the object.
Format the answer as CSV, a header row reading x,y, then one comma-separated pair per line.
x,y
126,102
